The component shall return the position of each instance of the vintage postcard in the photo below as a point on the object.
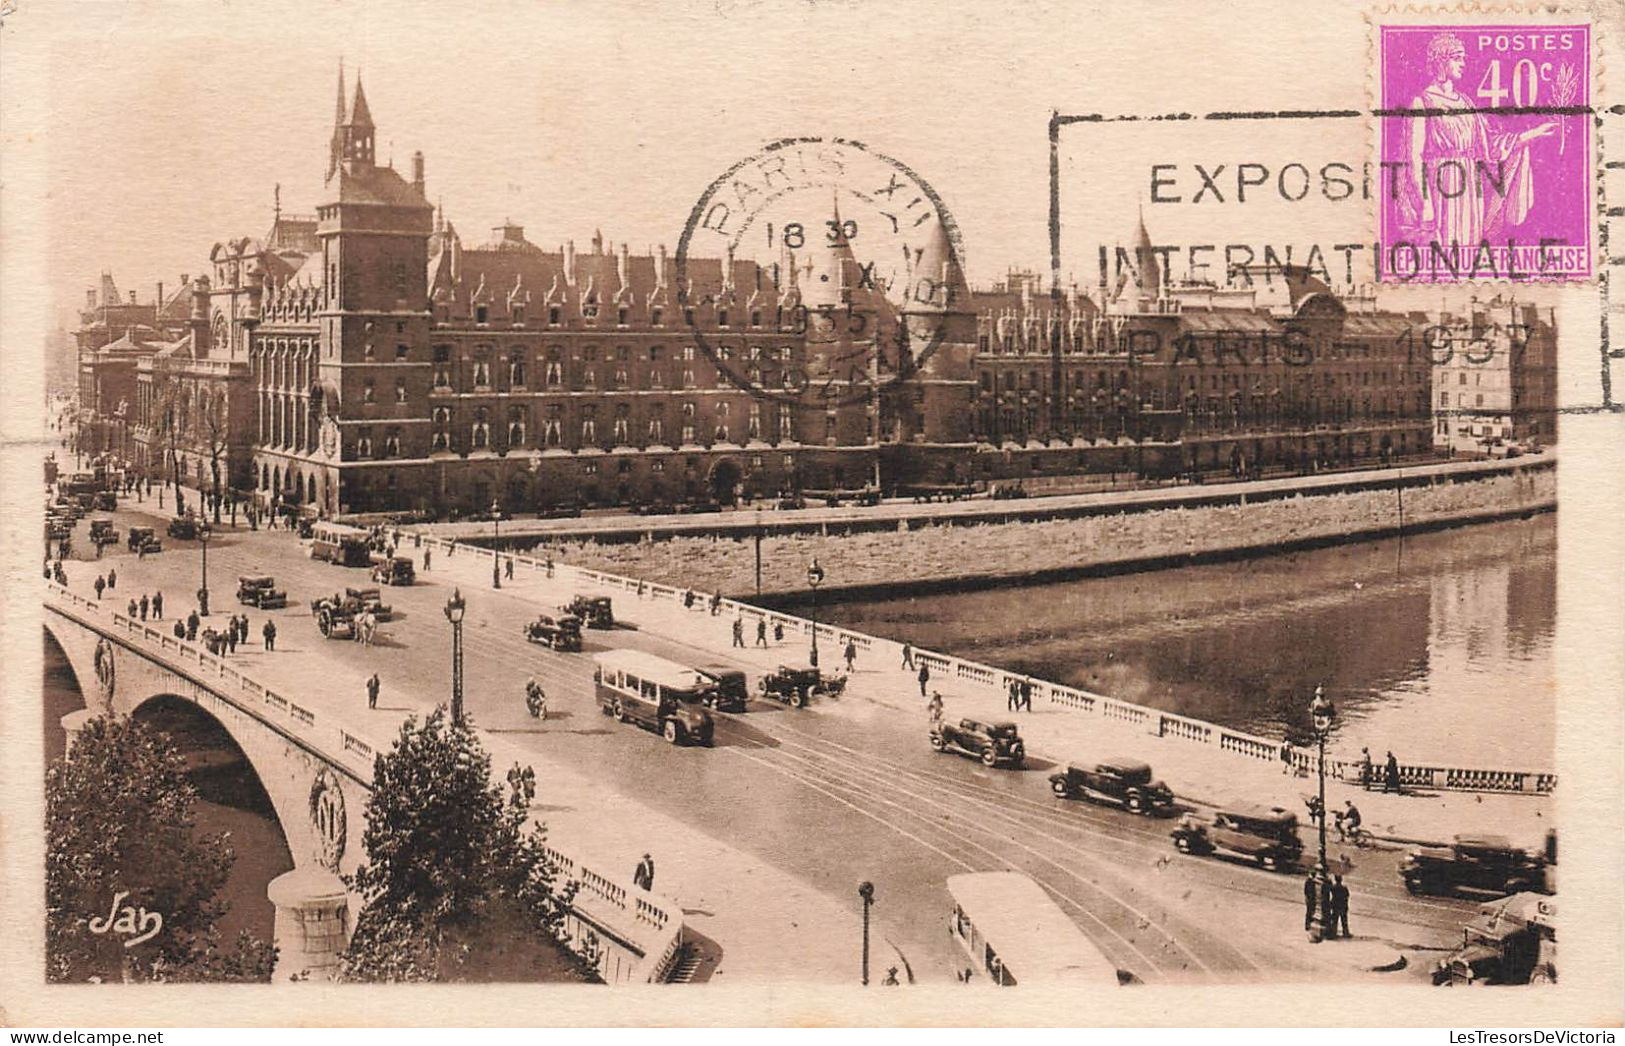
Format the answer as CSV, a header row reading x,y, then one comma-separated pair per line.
x,y
812,513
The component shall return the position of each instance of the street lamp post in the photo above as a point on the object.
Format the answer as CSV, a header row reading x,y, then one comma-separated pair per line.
x,y
866,890
496,545
454,613
815,575
1321,714
203,593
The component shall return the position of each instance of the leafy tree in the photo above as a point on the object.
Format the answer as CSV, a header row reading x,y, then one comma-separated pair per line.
x,y
119,818
455,888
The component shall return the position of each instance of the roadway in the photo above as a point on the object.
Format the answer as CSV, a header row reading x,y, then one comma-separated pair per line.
x,y
844,791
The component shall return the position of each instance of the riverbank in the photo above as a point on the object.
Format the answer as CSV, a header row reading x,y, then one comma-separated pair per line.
x,y
943,557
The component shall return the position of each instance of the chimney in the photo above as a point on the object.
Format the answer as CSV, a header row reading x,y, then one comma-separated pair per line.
x,y
199,321
570,262
132,297
159,301
417,171
660,266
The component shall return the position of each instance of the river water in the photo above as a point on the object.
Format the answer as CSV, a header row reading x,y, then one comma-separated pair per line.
x,y
1438,646
231,799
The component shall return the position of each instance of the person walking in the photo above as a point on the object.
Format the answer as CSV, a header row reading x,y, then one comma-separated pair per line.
x,y
231,638
1012,700
112,577
1390,777
135,608
1365,768
934,708
739,632
101,583
269,632
644,876
158,606
427,553
761,631
851,656
180,630
908,656
372,690
1339,921
1027,694
507,568
1311,890
192,621
144,605
924,677
778,631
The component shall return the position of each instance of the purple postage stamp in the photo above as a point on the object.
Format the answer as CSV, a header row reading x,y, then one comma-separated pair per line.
x,y
1486,152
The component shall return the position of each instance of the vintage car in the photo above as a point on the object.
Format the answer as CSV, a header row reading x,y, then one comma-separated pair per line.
x,y
184,528
68,505
557,633
1510,941
792,502
596,611
144,540
564,510
259,590
105,501
395,570
336,622
728,692
792,684
1473,862
369,599
1122,782
1265,834
102,532
994,743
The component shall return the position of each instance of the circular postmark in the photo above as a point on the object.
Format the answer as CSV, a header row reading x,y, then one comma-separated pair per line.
x,y
818,271
327,817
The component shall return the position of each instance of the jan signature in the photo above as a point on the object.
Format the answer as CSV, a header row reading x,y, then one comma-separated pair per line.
x,y
139,922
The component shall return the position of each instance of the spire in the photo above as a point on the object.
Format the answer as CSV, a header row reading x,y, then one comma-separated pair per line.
x,y
336,144
360,115
338,111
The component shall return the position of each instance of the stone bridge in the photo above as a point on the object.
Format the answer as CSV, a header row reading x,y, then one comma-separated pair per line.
x,y
317,772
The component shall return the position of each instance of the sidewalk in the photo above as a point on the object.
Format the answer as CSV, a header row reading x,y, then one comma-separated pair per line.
x,y
1198,774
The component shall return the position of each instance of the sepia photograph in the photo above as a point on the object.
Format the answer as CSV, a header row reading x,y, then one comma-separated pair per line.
x,y
776,513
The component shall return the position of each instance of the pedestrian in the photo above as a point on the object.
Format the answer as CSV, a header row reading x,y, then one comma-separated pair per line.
x,y
688,599
1027,694
549,565
934,708
243,628
507,568
426,554
134,608
157,606
112,576
1365,768
231,639
908,656
98,545
141,552
778,631
192,621
716,604
101,583
1310,891
739,631
1340,908
1013,700
1288,756
1390,781
269,632
925,677
644,877
851,655
761,630
372,691
180,630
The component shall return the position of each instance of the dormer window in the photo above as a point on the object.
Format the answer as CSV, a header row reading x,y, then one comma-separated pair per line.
x,y
518,313
590,310
481,313
722,317
756,317
655,315
553,315
620,315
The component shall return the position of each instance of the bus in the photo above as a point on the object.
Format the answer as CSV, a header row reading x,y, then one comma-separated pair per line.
x,y
339,543
651,691
1013,933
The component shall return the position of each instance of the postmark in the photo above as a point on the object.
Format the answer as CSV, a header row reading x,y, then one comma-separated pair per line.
x,y
818,272
1486,149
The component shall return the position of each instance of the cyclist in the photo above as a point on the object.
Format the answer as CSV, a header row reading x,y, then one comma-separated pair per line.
x,y
1348,821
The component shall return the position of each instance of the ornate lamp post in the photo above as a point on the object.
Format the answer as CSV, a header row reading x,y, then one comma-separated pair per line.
x,y
815,575
496,546
454,613
866,890
203,592
1321,714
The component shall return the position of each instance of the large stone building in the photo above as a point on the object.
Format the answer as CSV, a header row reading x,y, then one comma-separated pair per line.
x,y
1495,377
368,359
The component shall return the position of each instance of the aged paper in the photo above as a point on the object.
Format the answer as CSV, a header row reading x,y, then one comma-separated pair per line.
x,y
931,506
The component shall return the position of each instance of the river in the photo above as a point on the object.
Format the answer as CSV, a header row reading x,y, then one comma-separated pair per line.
x,y
231,799
1438,646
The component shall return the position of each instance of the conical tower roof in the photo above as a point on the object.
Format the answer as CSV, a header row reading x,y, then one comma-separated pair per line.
x,y
360,115
937,280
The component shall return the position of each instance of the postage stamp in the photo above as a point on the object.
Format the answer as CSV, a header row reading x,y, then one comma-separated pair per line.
x,y
1486,151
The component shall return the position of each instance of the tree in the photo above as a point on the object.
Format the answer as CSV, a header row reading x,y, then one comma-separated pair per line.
x,y
455,887
119,820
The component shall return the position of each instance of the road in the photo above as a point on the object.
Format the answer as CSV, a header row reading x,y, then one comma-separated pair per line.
x,y
835,794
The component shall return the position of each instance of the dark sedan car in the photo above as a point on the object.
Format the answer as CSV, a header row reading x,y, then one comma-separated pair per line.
x,y
1476,863
1121,782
